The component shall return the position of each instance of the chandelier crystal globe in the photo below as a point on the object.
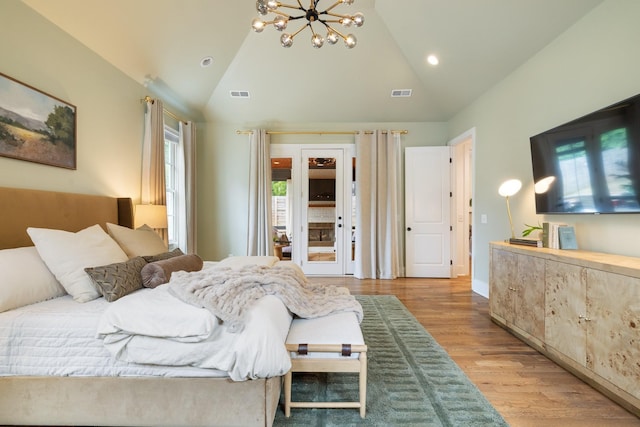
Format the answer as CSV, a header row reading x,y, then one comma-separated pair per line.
x,y
308,16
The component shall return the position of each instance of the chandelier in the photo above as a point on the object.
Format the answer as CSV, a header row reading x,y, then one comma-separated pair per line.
x,y
313,15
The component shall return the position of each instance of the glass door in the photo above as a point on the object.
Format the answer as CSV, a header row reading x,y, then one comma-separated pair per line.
x,y
323,216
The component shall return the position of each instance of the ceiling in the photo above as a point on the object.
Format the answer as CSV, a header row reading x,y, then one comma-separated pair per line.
x,y
160,43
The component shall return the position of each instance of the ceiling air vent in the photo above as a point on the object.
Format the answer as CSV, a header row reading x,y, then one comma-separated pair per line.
x,y
239,94
401,93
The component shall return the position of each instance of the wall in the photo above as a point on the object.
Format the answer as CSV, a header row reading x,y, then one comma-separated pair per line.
x,y
592,65
223,173
109,112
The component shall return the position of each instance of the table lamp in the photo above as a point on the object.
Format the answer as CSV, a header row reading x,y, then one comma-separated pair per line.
x,y
155,216
506,190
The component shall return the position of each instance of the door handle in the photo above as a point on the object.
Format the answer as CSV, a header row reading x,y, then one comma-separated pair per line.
x,y
408,228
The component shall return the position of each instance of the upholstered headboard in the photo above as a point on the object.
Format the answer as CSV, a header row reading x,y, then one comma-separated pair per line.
x,y
22,208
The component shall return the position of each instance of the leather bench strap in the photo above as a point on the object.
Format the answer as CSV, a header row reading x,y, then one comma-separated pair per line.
x,y
303,349
346,350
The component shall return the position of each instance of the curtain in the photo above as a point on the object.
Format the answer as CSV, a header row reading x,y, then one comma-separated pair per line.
x,y
153,178
186,186
260,234
377,199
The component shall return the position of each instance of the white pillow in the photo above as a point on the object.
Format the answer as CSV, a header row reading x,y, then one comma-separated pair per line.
x,y
68,254
25,279
142,241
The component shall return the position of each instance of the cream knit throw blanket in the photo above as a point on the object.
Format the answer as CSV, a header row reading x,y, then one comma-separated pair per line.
x,y
229,293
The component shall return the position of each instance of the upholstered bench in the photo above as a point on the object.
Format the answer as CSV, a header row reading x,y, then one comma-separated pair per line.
x,y
332,343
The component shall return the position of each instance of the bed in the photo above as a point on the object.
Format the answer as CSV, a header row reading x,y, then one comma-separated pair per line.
x,y
172,400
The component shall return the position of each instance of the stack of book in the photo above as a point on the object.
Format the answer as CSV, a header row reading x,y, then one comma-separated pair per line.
x,y
556,235
526,242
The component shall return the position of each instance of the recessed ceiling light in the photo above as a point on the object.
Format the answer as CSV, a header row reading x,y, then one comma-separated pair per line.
x,y
206,62
433,60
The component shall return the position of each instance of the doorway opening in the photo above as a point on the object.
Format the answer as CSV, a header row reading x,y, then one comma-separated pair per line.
x,y
462,203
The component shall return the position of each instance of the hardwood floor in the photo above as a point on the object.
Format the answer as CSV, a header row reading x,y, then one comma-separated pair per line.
x,y
524,386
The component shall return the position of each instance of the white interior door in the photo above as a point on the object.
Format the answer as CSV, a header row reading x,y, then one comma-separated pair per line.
x,y
428,212
323,212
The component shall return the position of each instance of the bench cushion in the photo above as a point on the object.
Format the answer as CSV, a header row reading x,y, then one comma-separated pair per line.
x,y
338,328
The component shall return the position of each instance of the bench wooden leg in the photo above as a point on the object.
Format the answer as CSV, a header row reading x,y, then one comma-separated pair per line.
x,y
287,394
362,387
363,384
333,365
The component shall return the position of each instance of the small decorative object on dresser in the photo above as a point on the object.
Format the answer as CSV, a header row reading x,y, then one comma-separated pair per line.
x,y
527,239
526,242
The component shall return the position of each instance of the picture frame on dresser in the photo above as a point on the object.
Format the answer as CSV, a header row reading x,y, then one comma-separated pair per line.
x,y
36,126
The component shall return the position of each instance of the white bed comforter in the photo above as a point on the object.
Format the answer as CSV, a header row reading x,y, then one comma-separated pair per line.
x,y
58,338
151,326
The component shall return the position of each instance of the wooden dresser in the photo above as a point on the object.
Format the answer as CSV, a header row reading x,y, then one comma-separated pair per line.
x,y
581,309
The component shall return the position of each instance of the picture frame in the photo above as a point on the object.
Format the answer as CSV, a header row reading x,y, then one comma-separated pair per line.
x,y
35,126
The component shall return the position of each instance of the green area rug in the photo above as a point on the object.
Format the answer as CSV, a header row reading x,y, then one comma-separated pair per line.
x,y
411,380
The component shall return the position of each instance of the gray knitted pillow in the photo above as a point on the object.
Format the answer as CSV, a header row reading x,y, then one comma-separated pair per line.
x,y
114,281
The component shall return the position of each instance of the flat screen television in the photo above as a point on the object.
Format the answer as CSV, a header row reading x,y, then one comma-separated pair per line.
x,y
590,165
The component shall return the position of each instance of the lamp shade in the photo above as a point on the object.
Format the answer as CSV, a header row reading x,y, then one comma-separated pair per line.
x,y
510,187
155,216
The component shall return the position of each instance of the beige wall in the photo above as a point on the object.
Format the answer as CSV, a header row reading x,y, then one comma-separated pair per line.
x,y
593,64
223,176
109,113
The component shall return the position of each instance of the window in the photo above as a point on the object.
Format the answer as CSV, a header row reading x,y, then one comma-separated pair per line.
x,y
617,171
575,172
171,170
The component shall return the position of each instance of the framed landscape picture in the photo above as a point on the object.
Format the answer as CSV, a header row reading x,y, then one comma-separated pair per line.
x,y
35,126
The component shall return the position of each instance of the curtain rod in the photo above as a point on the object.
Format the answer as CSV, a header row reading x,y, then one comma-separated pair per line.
x,y
317,132
167,112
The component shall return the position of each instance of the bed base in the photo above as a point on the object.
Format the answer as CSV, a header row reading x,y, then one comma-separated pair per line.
x,y
138,401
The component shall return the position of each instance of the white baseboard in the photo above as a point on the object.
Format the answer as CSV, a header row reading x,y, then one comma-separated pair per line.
x,y
480,287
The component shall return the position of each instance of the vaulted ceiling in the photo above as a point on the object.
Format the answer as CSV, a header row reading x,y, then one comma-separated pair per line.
x,y
161,43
